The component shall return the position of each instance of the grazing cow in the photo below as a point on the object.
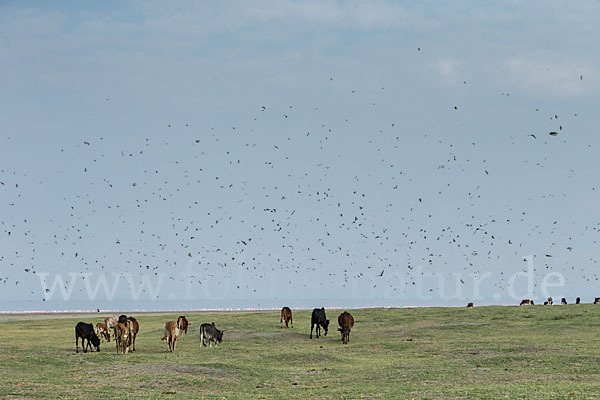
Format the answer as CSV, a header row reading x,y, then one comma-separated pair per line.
x,y
346,322
86,331
134,327
563,301
577,300
470,305
320,320
122,319
182,324
526,302
111,322
102,331
209,333
545,303
597,300
171,333
122,338
550,301
286,315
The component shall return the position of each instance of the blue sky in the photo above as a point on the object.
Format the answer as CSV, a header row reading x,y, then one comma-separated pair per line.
x,y
250,154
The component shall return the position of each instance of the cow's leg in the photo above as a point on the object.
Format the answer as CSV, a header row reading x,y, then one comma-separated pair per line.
x,y
281,320
311,329
318,330
76,343
292,322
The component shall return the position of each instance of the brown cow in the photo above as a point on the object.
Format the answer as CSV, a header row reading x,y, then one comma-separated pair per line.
x,y
171,333
470,305
134,328
526,302
182,324
346,322
122,338
286,315
102,331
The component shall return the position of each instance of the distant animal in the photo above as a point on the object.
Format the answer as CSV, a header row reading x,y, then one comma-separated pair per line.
x,y
526,302
209,333
597,300
182,324
470,305
122,334
122,318
171,334
545,303
550,301
86,332
577,300
102,331
134,327
346,322
111,322
563,301
319,319
286,315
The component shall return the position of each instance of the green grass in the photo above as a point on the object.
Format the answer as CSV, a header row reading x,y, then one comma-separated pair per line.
x,y
533,352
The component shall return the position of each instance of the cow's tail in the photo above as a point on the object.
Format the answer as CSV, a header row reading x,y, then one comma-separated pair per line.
x,y
201,336
165,333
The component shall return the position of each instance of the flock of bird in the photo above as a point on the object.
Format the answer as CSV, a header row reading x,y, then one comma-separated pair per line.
x,y
307,199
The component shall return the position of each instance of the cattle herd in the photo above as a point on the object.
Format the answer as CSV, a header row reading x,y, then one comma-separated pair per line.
x,y
549,302
125,330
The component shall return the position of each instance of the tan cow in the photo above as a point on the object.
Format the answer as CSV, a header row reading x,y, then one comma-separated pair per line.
x,y
171,333
526,302
133,327
122,338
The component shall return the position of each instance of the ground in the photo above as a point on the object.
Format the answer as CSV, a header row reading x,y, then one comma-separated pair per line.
x,y
536,352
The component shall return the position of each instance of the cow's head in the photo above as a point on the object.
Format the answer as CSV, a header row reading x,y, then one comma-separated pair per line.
x,y
325,327
219,335
96,342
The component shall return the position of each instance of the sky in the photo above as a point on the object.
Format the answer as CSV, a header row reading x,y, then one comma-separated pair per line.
x,y
188,155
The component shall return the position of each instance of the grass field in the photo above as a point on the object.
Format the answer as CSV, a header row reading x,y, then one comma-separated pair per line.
x,y
538,352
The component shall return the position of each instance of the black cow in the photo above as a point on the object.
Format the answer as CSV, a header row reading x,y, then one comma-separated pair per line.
x,y
123,319
209,333
320,320
563,301
86,331
578,301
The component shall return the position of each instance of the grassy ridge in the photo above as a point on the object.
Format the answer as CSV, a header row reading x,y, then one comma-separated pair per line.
x,y
485,352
